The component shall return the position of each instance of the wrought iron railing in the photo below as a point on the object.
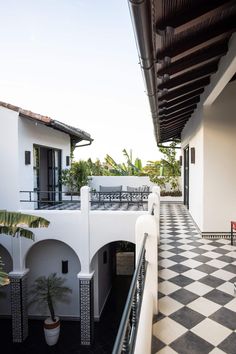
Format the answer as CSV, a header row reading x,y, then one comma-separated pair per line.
x,y
44,198
138,197
47,198
126,336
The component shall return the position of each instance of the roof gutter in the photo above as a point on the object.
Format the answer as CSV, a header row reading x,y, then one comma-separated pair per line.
x,y
140,13
80,145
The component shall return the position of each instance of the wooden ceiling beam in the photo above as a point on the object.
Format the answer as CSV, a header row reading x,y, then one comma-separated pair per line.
x,y
185,89
181,99
188,13
195,37
180,106
169,124
211,51
194,74
180,114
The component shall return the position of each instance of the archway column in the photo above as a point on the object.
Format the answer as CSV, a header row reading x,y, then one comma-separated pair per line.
x,y
86,308
18,282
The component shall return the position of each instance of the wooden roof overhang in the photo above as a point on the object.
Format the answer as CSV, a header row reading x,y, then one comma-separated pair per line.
x,y
180,44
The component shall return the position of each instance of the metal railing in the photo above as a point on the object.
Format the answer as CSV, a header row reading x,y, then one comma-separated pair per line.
x,y
119,197
126,336
48,197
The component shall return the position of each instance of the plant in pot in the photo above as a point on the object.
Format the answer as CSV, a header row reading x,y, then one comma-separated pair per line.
x,y
46,291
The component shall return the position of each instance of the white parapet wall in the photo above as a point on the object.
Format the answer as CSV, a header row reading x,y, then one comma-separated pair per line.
x,y
148,224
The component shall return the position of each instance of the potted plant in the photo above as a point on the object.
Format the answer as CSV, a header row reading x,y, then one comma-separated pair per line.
x,y
46,291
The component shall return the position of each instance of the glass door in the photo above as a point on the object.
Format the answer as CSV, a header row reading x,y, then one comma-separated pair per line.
x,y
36,168
54,173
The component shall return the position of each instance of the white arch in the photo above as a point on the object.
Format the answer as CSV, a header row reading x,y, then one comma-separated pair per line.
x,y
105,244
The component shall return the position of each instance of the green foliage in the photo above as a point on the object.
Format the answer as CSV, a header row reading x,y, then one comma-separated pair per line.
x,y
76,176
95,168
165,170
46,291
125,246
14,223
127,168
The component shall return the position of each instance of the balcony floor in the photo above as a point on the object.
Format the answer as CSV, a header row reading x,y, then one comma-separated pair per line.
x,y
197,304
97,206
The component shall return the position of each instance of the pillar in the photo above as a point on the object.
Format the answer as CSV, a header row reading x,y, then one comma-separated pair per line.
x,y
86,309
18,282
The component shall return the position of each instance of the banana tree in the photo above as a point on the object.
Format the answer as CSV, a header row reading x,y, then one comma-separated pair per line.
x,y
14,223
128,168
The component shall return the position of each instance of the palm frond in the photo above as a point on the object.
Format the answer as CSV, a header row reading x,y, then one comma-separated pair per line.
x,y
13,223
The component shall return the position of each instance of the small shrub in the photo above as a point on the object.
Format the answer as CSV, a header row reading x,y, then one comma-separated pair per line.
x,y
171,194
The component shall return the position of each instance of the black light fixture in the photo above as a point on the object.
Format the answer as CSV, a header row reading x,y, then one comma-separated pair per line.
x,y
27,158
64,267
192,154
180,160
67,160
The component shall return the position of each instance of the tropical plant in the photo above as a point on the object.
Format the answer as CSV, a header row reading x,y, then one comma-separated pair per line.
x,y
14,223
171,166
46,291
96,168
128,168
167,170
76,176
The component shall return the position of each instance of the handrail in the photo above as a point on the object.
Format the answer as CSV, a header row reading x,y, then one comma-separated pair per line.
x,y
126,336
37,197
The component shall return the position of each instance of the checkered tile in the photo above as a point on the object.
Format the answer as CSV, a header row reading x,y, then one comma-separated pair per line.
x,y
97,206
197,302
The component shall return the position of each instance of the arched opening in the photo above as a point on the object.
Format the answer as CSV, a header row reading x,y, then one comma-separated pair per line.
x,y
53,256
5,291
113,266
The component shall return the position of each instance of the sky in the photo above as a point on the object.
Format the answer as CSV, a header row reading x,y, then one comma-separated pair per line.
x,y
76,61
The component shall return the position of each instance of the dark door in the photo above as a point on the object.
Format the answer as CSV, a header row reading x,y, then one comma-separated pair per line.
x,y
186,176
54,172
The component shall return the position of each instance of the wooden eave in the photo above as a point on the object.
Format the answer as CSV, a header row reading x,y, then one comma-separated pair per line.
x,y
180,45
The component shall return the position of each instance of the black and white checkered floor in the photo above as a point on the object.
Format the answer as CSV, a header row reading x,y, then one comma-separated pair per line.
x,y
197,302
97,206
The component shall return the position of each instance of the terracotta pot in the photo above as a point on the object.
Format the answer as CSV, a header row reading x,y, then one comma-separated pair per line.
x,y
51,330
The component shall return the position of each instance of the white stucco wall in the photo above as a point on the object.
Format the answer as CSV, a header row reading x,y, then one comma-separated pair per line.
x,y
9,165
31,133
192,135
45,258
220,161
212,193
109,226
17,136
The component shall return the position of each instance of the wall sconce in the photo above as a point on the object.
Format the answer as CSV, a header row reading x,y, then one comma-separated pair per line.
x,y
64,267
192,154
180,160
27,158
67,160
